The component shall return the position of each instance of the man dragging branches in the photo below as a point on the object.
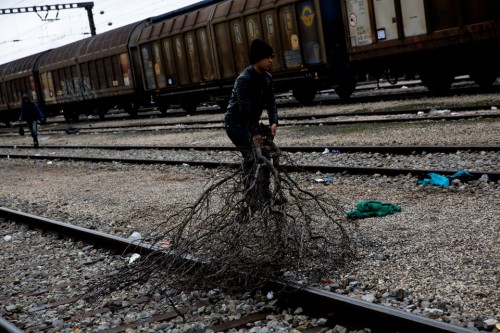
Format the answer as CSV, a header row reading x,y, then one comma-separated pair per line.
x,y
252,92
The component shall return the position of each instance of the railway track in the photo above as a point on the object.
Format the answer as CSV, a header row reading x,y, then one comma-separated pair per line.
x,y
379,116
325,310
365,93
356,170
401,150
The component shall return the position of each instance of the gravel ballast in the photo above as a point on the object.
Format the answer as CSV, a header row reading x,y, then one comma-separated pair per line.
x,y
438,257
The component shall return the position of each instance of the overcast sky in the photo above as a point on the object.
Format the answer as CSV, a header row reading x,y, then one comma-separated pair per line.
x,y
25,34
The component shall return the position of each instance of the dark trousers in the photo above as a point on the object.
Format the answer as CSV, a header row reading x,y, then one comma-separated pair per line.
x,y
242,139
33,127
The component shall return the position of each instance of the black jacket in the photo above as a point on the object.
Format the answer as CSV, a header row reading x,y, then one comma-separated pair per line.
x,y
251,94
30,111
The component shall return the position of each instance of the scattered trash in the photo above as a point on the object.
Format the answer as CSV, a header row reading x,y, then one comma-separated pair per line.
x,y
372,208
71,130
434,179
49,162
420,114
439,113
133,258
37,182
462,175
135,236
7,238
164,244
328,151
440,180
404,87
494,108
270,295
185,164
484,178
323,180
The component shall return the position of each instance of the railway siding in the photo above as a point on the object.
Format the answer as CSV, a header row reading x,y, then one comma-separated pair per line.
x,y
428,260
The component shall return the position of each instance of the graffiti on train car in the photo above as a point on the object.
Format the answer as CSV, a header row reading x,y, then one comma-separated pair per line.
x,y
78,89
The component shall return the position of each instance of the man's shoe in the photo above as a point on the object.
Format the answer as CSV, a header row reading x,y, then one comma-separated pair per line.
x,y
35,144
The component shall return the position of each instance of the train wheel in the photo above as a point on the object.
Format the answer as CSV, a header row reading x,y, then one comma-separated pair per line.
x,y
70,115
189,106
133,112
345,89
163,108
222,104
101,113
304,96
484,79
437,82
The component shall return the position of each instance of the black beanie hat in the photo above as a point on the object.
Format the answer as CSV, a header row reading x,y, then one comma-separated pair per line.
x,y
259,50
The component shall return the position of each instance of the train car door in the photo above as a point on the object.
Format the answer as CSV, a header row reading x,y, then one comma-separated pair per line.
x,y
334,32
147,65
206,59
270,32
180,58
161,79
224,50
443,14
168,54
385,20
413,12
358,17
290,37
3,101
239,45
308,24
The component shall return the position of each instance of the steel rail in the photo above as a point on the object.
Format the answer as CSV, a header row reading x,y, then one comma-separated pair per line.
x,y
323,123
194,125
7,327
90,236
493,175
399,150
329,115
340,308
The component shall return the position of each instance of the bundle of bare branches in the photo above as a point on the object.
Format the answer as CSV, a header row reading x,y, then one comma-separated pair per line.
x,y
253,225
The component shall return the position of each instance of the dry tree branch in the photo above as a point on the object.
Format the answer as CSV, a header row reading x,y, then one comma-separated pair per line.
x,y
244,229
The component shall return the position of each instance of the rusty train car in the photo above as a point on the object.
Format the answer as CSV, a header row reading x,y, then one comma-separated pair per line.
x,y
194,54
437,39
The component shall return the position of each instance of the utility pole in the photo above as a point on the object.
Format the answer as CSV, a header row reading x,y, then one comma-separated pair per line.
x,y
36,9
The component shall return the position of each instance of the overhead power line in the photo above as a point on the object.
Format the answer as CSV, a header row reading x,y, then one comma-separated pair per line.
x,y
46,8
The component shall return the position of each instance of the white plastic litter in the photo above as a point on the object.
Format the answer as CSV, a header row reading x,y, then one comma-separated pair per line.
x,y
7,238
326,151
133,258
439,113
135,236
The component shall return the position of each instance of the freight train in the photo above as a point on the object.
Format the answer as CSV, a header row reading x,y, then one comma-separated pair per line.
x,y
193,54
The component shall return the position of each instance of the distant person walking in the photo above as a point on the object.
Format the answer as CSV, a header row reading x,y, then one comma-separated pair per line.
x,y
31,113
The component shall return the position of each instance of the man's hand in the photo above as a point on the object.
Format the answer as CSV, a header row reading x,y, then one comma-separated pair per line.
x,y
273,129
257,139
